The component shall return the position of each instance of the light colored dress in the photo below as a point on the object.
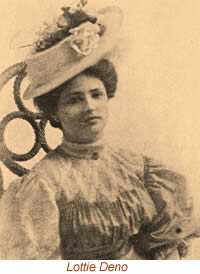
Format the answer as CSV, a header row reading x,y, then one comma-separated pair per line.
x,y
94,202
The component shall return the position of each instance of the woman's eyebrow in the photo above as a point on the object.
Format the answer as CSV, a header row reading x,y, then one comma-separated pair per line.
x,y
95,89
75,93
78,92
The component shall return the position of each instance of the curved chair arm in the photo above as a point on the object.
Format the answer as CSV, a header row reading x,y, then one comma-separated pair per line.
x,y
36,120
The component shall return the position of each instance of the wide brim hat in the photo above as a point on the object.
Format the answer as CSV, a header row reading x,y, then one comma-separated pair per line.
x,y
54,66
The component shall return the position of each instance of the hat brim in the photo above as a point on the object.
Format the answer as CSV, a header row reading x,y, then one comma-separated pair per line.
x,y
45,74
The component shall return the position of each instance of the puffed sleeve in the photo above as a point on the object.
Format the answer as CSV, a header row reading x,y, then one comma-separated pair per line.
x,y
29,220
174,222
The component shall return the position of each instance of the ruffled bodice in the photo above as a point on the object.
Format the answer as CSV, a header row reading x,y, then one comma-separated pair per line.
x,y
93,202
106,201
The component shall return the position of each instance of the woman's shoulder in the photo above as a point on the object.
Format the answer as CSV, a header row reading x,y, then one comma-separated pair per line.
x,y
127,154
148,163
45,172
152,170
49,164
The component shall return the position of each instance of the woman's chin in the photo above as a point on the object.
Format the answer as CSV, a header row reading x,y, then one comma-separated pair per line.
x,y
93,134
94,128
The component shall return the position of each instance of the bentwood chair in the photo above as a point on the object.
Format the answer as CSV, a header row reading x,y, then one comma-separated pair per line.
x,y
10,159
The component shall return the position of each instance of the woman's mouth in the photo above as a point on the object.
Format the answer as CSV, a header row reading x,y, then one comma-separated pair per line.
x,y
91,119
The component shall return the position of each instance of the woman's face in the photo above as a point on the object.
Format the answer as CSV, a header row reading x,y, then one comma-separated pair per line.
x,y
83,109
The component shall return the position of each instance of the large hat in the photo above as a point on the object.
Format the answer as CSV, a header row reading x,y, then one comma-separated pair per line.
x,y
84,46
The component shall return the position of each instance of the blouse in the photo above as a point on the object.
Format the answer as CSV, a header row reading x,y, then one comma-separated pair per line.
x,y
95,202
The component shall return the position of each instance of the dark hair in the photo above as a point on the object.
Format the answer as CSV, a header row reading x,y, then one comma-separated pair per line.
x,y
103,70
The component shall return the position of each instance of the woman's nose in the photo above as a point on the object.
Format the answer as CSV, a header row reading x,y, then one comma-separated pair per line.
x,y
89,103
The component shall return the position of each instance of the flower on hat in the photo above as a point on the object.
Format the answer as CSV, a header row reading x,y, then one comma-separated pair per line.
x,y
77,22
74,5
85,38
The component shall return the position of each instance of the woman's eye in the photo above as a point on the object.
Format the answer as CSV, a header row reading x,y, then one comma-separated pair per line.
x,y
74,100
97,94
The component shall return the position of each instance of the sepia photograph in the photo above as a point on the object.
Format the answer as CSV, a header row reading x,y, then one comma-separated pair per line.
x,y
99,131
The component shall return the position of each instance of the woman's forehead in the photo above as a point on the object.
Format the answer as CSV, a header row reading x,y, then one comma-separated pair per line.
x,y
83,83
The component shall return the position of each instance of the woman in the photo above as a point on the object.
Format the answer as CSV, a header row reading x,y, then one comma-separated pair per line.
x,y
86,199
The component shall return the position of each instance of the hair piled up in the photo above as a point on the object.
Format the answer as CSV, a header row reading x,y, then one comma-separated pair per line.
x,y
104,70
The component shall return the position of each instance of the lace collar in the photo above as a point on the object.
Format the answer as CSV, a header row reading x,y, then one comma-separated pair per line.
x,y
82,151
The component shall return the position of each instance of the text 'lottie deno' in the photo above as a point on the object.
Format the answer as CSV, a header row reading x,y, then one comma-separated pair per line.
x,y
101,266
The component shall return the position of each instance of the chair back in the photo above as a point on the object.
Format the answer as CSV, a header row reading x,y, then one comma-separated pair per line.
x,y
37,121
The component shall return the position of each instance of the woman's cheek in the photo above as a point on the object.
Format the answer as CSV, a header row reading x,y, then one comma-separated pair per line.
x,y
105,110
72,113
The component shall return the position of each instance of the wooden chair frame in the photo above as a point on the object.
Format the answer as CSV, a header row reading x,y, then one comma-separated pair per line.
x,y
36,120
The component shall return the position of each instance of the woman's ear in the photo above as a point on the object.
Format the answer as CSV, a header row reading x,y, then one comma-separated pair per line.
x,y
54,121
54,117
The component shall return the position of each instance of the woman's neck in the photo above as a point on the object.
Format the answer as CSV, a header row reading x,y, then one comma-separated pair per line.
x,y
83,141
88,150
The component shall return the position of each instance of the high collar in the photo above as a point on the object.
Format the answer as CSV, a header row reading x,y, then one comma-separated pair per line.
x,y
82,151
